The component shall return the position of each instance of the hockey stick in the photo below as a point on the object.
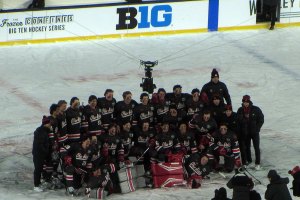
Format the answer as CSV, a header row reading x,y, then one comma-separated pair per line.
x,y
142,155
259,182
135,162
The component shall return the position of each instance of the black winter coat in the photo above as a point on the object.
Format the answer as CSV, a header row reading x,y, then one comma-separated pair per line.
x,y
220,88
253,124
278,190
241,185
40,147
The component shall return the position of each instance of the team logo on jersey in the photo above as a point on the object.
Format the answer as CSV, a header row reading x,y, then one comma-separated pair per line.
x,y
75,120
79,156
108,111
94,118
125,114
63,124
162,111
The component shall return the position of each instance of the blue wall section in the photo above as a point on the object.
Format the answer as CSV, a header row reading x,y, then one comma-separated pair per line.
x,y
213,15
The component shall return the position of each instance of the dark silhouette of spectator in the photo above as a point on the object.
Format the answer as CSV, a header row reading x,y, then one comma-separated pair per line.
x,y
277,189
220,194
37,4
241,185
270,8
295,172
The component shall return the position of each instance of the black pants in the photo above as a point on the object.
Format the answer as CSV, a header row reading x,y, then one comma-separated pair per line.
x,y
255,140
242,145
38,3
38,169
271,10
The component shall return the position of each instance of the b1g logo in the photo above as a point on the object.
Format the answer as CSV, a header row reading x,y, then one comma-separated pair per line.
x,y
127,17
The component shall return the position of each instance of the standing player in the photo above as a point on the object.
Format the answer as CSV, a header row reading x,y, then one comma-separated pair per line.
x,y
92,116
177,98
106,105
194,104
124,109
226,145
143,112
73,118
161,105
62,123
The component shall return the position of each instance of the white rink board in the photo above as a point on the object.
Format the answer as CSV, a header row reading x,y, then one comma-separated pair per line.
x,y
236,13
101,21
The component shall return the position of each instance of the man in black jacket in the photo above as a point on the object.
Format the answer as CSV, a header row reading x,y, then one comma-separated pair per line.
x,y
241,185
277,189
216,87
40,151
250,120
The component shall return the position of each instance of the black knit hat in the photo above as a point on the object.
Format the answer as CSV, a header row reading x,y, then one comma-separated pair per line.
x,y
46,120
214,73
273,175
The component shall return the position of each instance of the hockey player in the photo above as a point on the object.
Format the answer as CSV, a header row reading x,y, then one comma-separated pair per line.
x,y
112,148
226,146
194,104
113,152
202,125
161,105
99,185
73,117
92,118
174,117
126,136
165,143
216,87
196,168
143,112
62,123
77,161
177,97
124,109
230,118
40,151
250,120
217,108
186,139
142,140
106,105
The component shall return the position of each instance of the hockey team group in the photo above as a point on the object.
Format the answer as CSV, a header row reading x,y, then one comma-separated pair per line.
x,y
170,139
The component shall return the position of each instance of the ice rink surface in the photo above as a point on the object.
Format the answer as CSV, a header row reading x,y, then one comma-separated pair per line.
x,y
264,64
